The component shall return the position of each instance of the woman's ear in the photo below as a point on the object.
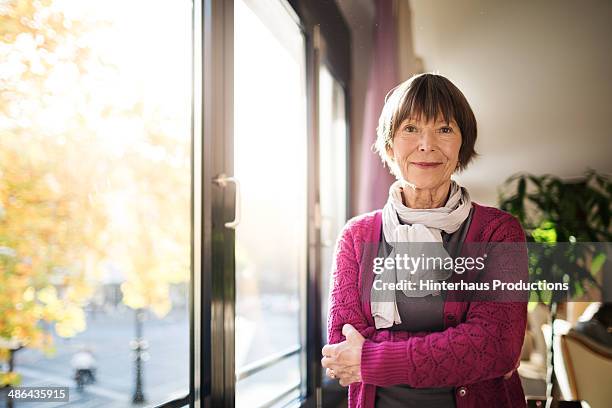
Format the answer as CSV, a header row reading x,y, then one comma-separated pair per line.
x,y
390,153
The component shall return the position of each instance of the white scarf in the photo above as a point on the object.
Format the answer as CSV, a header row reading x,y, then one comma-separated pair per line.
x,y
426,226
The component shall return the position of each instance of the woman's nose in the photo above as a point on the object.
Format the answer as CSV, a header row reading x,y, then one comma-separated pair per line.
x,y
426,142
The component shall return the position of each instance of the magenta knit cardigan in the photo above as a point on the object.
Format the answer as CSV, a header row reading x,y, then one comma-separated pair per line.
x,y
481,341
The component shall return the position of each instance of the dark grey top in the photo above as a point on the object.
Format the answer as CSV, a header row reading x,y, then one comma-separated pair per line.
x,y
421,314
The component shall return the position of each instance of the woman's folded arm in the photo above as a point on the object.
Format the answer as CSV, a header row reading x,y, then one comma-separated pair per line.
x,y
487,345
344,298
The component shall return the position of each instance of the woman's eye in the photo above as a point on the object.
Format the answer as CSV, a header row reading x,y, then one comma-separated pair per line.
x,y
410,128
446,129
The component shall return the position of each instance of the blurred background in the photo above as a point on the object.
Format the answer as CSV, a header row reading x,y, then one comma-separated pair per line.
x,y
174,176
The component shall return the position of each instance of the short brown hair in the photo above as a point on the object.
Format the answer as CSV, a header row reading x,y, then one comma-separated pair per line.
x,y
429,94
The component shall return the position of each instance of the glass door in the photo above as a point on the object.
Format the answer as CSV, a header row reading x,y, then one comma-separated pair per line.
x,y
270,164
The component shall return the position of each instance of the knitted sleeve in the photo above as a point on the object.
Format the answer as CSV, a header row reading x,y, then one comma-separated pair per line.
x,y
344,298
486,345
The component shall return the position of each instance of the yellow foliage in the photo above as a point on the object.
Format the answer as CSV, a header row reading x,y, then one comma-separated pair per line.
x,y
71,320
29,294
68,202
79,291
10,378
161,307
48,295
133,296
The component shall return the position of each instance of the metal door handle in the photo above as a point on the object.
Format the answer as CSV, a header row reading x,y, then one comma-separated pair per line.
x,y
221,180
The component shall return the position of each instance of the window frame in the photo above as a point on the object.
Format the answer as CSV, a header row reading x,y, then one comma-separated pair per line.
x,y
212,295
328,43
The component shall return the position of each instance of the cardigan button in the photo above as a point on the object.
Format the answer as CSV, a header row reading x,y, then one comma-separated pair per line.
x,y
462,391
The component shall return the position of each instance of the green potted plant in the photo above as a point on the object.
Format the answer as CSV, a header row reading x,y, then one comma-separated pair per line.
x,y
558,213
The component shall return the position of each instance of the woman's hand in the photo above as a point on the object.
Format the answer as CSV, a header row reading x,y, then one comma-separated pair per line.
x,y
509,373
343,360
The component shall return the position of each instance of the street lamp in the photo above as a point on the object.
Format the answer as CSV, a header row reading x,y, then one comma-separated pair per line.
x,y
139,347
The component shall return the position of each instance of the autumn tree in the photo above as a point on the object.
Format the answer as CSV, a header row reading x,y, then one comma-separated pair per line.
x,y
86,176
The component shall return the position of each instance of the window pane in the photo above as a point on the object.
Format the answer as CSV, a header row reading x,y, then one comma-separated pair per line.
x,y
270,162
95,147
270,384
332,161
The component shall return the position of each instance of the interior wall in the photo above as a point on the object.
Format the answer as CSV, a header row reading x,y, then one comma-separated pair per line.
x,y
359,15
538,76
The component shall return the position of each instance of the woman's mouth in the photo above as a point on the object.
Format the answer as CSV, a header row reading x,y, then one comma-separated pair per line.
x,y
426,165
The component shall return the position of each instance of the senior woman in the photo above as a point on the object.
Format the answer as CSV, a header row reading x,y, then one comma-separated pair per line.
x,y
422,349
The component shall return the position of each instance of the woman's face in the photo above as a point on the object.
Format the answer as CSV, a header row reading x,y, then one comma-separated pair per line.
x,y
426,154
